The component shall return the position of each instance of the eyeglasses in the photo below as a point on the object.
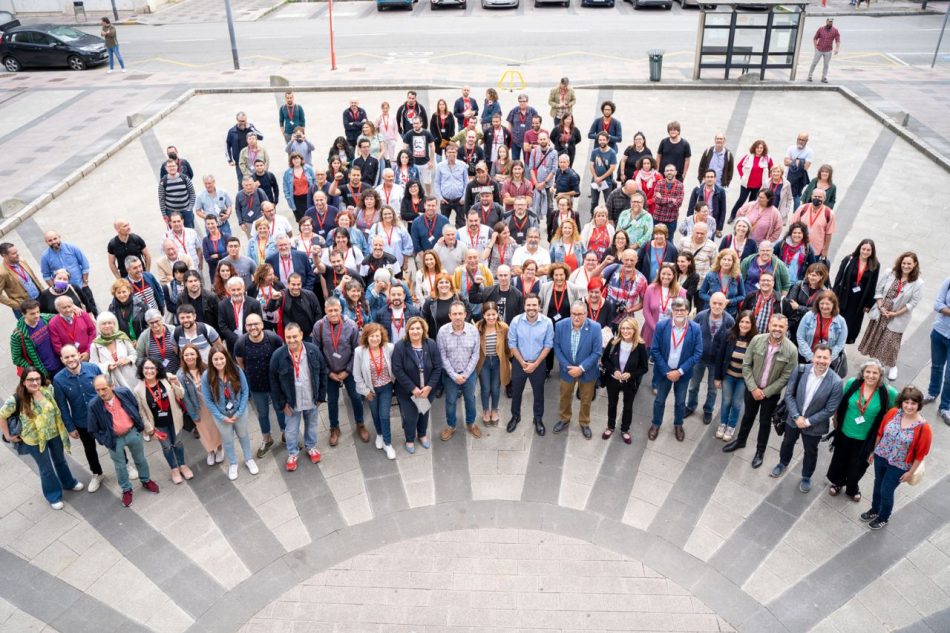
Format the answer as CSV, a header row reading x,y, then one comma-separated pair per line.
x,y
33,380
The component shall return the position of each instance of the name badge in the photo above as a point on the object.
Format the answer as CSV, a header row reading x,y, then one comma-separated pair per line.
x,y
229,407
856,289
859,419
431,238
522,125
520,233
165,363
556,318
337,355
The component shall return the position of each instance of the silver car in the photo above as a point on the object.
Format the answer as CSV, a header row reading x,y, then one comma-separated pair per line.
x,y
500,4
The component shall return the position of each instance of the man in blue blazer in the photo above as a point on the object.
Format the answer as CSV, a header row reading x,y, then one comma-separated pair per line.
x,y
578,345
286,261
677,347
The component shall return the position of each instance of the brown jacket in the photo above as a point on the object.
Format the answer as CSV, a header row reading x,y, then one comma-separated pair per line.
x,y
12,292
504,352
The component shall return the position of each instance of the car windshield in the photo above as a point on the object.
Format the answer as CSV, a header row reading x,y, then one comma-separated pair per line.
x,y
67,33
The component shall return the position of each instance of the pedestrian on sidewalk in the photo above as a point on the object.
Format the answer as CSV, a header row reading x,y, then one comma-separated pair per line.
x,y
826,38
112,44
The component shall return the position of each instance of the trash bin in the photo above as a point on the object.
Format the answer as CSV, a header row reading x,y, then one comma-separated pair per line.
x,y
656,64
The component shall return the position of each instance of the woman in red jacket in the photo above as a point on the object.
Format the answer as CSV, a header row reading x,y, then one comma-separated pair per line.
x,y
646,178
903,441
753,171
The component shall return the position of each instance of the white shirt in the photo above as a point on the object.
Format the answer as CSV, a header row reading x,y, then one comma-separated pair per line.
x,y
481,240
188,243
541,257
811,387
278,226
395,196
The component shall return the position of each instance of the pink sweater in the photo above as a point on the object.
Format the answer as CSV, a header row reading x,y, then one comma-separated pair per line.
x,y
82,332
652,306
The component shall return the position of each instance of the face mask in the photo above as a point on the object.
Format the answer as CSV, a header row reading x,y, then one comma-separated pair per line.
x,y
60,286
817,202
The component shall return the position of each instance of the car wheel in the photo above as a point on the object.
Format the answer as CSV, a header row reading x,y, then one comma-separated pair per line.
x,y
12,65
76,63
464,6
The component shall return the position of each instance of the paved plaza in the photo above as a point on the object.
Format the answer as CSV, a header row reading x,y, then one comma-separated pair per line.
x,y
509,532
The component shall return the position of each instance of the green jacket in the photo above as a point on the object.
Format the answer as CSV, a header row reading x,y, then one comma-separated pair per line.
x,y
779,271
22,350
753,363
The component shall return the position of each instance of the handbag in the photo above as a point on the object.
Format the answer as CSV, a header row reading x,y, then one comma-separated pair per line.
x,y
918,475
780,413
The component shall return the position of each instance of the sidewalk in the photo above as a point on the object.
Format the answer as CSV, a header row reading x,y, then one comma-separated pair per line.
x,y
198,11
878,8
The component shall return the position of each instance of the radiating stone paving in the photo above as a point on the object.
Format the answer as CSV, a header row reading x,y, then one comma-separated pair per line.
x,y
704,517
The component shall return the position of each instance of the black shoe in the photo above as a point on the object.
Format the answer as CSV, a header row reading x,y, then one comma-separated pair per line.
x,y
868,516
707,417
689,411
508,390
560,426
877,523
539,427
757,460
734,445
439,391
513,424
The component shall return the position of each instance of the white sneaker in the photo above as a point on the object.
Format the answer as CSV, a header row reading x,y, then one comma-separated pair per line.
x,y
133,471
721,431
148,438
123,70
892,374
109,72
57,506
252,467
390,452
232,472
219,455
94,483
210,460
379,442
78,486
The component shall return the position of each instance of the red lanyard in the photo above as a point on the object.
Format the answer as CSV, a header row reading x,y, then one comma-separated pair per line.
x,y
606,124
72,330
227,391
900,286
593,315
290,113
162,345
558,302
296,361
389,235
145,285
271,227
321,219
214,243
398,323
261,251
18,271
376,362
525,289
182,242
669,297
821,331
568,250
520,227
286,266
758,305
415,211
502,249
657,260
723,286
159,396
676,343
359,317
431,279
522,116
335,338
387,193
473,237
862,401
486,213
442,122
813,216
469,280
238,309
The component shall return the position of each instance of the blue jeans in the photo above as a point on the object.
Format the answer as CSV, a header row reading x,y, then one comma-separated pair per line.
x,y
239,428
692,399
261,401
132,441
663,387
886,480
489,379
379,408
310,420
515,152
939,349
733,390
452,390
172,448
333,401
55,476
113,55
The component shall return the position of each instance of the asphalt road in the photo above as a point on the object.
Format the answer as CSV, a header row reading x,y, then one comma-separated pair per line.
x,y
299,33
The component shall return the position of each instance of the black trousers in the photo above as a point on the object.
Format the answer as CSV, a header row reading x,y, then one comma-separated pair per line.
x,y
810,460
449,206
89,448
762,408
848,463
615,390
518,380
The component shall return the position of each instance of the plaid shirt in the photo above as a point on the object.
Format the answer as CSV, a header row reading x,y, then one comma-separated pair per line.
x,y
626,293
825,38
459,350
668,198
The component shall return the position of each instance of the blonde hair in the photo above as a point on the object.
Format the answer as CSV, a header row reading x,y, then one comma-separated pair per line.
x,y
559,237
636,332
717,264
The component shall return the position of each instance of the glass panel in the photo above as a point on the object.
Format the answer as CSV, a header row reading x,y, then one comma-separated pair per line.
x,y
781,41
785,19
752,19
716,37
713,59
781,58
752,41
718,19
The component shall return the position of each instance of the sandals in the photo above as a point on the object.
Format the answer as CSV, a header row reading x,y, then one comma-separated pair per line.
x,y
833,490
626,438
494,418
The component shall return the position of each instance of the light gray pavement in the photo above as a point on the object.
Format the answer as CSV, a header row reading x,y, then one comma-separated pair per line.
x,y
505,521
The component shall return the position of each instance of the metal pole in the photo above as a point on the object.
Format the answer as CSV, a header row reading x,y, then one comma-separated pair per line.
x,y
115,11
332,49
940,39
234,53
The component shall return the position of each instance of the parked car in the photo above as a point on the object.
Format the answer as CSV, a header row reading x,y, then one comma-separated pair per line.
x,y
563,3
385,4
50,46
666,4
500,4
597,3
439,4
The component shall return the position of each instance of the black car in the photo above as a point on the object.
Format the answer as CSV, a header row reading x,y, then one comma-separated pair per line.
x,y
49,46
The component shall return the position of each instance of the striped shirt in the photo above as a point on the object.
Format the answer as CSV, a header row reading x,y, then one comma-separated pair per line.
x,y
175,194
735,361
491,344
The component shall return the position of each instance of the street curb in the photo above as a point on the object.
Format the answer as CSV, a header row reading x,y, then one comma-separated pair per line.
x,y
876,14
61,187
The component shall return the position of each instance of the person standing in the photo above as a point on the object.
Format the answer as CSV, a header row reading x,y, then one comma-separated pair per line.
x,y
602,165
939,349
18,282
112,44
158,395
674,150
253,352
337,337
625,361
176,192
298,379
826,38
459,343
767,365
721,162
897,294
31,342
677,347
562,100
417,369
519,122
72,387
578,345
531,339
728,371
866,400
31,421
667,199
115,422
855,284
448,185
903,441
225,393
290,116
715,324
811,401
373,371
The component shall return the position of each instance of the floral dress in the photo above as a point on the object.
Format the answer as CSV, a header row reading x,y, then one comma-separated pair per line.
x,y
45,425
879,342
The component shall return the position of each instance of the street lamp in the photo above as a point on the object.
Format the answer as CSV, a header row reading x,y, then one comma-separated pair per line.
x,y
234,53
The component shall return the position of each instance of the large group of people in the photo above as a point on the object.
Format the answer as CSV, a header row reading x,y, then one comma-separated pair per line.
x,y
436,255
